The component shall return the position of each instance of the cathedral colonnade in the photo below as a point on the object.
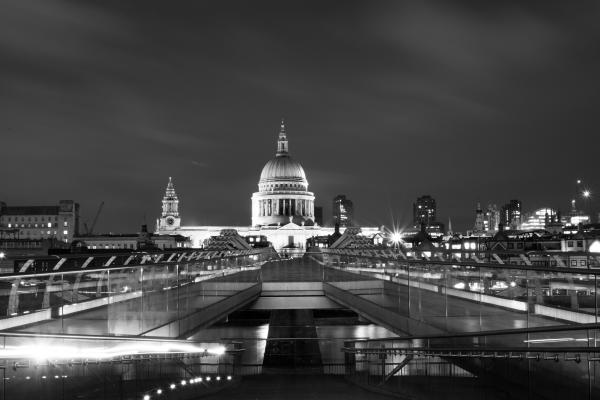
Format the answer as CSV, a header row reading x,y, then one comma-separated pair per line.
x,y
285,206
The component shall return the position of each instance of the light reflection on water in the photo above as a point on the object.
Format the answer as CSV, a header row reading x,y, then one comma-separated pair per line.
x,y
253,339
370,331
332,338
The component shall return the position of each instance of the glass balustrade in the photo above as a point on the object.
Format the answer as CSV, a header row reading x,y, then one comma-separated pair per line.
x,y
467,297
154,299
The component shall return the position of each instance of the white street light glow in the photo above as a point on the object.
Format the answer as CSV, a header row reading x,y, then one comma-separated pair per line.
x,y
396,237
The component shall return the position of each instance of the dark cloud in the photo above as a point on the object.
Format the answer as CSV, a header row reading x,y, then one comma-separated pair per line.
x,y
467,101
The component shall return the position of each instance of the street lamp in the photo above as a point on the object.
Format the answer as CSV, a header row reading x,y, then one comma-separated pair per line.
x,y
396,239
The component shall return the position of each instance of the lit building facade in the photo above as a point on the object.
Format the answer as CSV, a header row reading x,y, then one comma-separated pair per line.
x,y
511,214
343,211
539,219
492,218
283,209
57,222
576,216
479,227
132,241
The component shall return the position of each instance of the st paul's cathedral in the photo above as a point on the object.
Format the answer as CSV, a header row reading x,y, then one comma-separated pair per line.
x,y
282,208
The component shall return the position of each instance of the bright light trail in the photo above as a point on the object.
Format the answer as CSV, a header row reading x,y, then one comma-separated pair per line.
x,y
554,340
43,352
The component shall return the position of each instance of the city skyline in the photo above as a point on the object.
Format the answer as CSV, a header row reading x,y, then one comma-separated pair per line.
x,y
383,103
280,199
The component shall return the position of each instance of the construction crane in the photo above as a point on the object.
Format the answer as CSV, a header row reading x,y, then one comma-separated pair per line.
x,y
89,231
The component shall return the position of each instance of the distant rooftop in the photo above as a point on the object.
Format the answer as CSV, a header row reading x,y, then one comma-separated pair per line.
x,y
30,210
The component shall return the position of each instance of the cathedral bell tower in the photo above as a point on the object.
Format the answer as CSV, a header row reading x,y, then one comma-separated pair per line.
x,y
169,219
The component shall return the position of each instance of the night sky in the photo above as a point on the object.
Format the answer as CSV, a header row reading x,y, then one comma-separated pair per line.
x,y
104,100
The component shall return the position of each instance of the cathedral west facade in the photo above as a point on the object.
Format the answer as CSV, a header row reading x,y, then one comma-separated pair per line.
x,y
282,208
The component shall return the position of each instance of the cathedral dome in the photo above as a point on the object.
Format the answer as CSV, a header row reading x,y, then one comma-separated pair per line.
x,y
283,195
283,170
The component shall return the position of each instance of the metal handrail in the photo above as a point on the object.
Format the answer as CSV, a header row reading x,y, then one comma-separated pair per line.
x,y
483,349
502,332
578,270
12,277
164,261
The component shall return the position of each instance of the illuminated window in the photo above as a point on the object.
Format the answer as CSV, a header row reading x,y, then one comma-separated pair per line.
x,y
49,224
9,225
65,223
65,232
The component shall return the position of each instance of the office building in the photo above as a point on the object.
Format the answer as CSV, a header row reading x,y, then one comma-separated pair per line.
x,y
424,211
511,214
343,211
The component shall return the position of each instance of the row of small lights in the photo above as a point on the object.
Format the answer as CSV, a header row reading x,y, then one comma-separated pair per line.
x,y
184,382
55,377
43,377
159,391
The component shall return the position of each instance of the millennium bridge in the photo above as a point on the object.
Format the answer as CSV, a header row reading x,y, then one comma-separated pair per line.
x,y
360,323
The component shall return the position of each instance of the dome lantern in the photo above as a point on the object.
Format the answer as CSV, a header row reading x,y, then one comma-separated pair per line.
x,y
282,142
